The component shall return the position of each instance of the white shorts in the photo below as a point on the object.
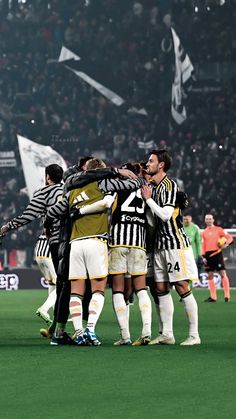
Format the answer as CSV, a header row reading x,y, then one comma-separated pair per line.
x,y
175,265
131,260
88,259
150,267
47,269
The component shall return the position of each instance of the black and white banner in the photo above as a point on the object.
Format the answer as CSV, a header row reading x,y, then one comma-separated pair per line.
x,y
108,83
7,159
183,74
146,145
35,157
99,77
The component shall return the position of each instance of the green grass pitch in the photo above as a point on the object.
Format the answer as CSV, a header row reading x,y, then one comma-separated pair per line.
x,y
40,381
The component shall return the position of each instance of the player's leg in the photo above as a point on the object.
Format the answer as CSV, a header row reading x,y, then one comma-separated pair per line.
x,y
191,309
46,267
42,311
137,267
61,310
212,288
63,303
77,271
150,281
55,259
121,308
128,296
183,269
95,308
145,307
166,310
210,267
152,287
225,284
87,298
96,263
76,308
117,269
166,306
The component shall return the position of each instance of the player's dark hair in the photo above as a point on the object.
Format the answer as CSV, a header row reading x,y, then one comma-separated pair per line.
x,y
163,156
55,172
187,214
133,167
143,164
84,160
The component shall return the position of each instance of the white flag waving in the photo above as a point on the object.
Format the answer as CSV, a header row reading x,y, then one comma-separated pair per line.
x,y
66,54
35,157
183,73
97,76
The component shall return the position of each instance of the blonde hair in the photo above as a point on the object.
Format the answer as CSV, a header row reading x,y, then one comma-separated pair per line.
x,y
95,164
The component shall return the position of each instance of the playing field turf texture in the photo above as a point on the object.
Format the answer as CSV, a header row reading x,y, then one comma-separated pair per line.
x,y
43,381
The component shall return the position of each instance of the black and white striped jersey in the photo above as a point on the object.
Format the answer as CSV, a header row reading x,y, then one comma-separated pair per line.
x,y
105,185
42,200
169,234
42,248
75,178
128,225
116,185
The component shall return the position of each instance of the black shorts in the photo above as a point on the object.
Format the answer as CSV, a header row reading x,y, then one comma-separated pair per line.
x,y
214,263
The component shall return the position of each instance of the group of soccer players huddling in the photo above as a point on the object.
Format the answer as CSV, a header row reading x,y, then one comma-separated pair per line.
x,y
123,223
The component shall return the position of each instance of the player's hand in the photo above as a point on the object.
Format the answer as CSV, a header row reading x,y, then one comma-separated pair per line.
x,y
4,230
127,173
146,192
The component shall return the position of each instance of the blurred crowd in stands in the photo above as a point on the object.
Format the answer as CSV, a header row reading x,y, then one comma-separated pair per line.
x,y
46,103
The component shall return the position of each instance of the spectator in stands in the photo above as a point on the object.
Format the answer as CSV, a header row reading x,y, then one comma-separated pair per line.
x,y
43,101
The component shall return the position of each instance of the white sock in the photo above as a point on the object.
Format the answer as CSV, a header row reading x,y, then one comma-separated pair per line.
x,y
76,312
50,301
191,309
122,314
51,288
166,308
160,325
145,307
95,308
128,311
